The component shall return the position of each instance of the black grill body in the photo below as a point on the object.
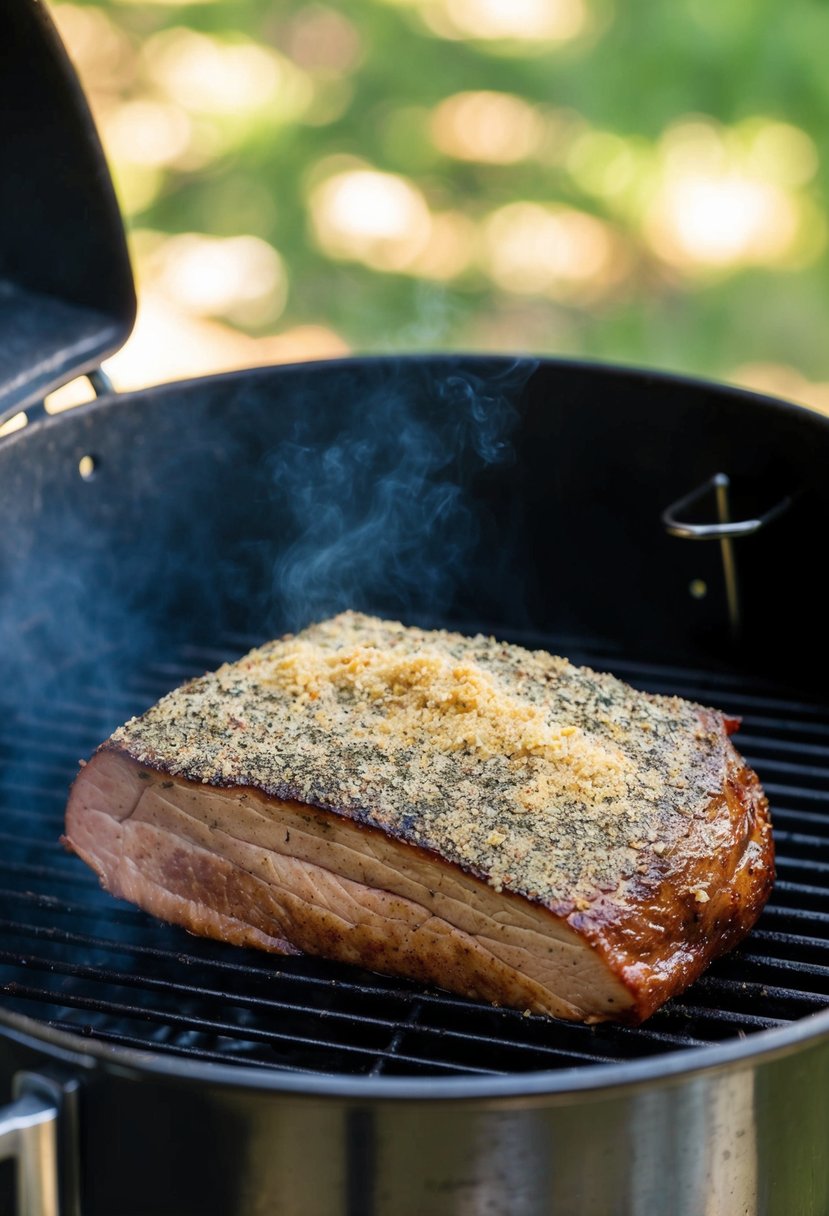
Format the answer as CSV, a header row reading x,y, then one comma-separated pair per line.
x,y
229,509
146,538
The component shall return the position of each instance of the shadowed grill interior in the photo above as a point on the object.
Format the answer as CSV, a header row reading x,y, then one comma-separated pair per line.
x,y
78,960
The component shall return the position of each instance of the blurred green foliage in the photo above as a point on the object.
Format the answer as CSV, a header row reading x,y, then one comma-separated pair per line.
x,y
696,133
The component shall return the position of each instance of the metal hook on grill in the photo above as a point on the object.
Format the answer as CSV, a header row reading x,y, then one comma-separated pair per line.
x,y
102,386
726,531
15,419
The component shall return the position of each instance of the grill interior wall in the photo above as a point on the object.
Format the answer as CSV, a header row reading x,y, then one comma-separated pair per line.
x,y
257,502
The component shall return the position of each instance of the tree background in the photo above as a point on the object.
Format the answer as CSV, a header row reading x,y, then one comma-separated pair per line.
x,y
631,182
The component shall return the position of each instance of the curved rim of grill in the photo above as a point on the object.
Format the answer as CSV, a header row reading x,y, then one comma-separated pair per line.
x,y
765,1045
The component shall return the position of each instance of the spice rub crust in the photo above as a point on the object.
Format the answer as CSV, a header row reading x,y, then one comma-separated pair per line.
x,y
546,780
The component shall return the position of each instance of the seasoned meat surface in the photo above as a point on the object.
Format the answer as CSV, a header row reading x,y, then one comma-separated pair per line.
x,y
453,809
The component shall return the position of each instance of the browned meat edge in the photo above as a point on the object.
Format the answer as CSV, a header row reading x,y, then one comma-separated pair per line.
x,y
630,949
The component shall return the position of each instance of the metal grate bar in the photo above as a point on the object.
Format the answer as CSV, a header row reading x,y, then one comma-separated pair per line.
x,y
749,990
52,821
714,679
786,815
72,727
47,747
775,789
745,1021
784,941
397,1038
817,777
69,875
119,1009
810,917
761,745
117,914
55,792
105,975
195,1053
812,978
817,729
800,890
790,866
800,840
12,840
739,701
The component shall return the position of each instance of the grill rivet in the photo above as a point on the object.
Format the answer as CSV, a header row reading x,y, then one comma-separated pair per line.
x,y
87,466
698,588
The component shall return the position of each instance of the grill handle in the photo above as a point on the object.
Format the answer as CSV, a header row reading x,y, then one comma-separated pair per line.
x,y
29,1133
726,531
15,419
725,528
39,1130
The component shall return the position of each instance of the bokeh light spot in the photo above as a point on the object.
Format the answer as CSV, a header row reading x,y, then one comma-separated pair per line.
x,y
95,43
716,209
378,218
784,153
486,126
321,39
450,248
241,277
147,132
544,21
209,75
533,249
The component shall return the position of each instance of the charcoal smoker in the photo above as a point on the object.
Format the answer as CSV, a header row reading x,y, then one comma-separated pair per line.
x,y
671,531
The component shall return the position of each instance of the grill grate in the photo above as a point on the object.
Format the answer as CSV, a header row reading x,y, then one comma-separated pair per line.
x,y
78,960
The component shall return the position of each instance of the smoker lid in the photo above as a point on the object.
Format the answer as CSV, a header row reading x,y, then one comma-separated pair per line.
x,y
67,297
